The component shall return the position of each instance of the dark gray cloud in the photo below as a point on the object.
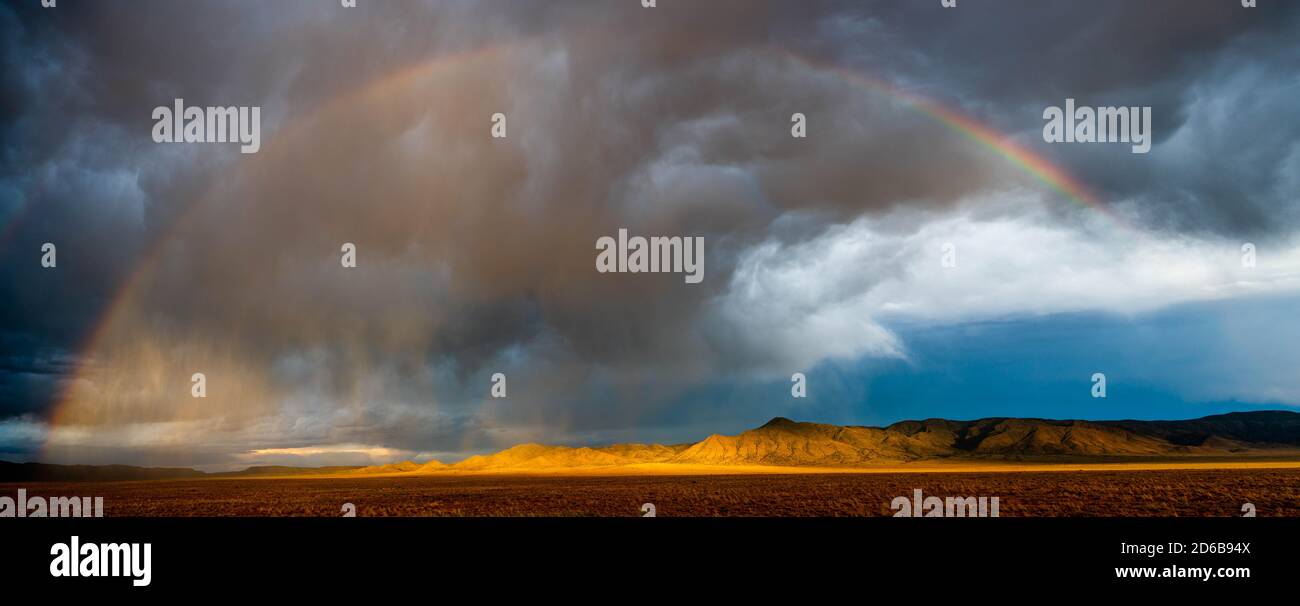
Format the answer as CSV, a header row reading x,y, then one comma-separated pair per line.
x,y
476,255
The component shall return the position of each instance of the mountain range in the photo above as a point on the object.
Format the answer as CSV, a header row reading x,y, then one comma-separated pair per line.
x,y
785,443
782,442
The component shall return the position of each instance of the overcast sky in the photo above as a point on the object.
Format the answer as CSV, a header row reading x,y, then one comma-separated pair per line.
x,y
476,255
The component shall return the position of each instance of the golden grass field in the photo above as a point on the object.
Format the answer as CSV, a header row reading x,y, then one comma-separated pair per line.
x,y
1206,489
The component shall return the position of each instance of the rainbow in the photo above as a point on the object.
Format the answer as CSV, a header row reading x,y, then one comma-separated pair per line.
x,y
1004,145
395,80
1038,166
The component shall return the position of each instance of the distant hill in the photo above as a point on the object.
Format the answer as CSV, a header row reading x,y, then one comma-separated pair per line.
x,y
782,442
46,472
285,470
537,456
785,442
43,472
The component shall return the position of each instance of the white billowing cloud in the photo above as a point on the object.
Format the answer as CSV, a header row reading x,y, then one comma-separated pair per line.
x,y
831,297
789,307
330,454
